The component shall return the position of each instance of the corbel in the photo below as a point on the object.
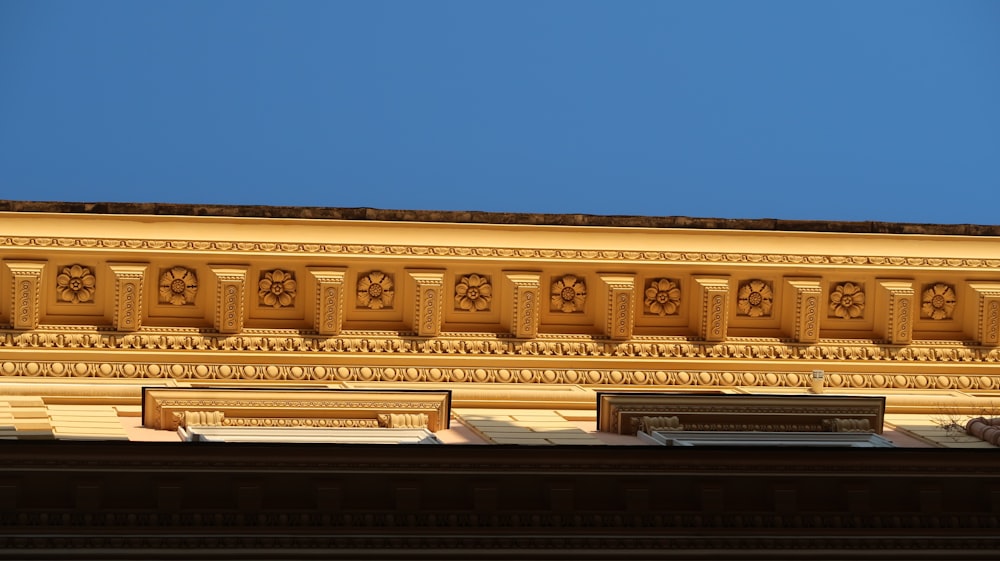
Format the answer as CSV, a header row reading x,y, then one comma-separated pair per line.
x,y
329,311
428,302
521,314
894,318
26,288
619,308
713,313
803,297
230,297
986,300
128,295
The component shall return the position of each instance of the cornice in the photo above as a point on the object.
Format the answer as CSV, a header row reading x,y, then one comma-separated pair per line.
x,y
195,297
403,251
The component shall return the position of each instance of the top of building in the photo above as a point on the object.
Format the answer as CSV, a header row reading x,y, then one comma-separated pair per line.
x,y
482,217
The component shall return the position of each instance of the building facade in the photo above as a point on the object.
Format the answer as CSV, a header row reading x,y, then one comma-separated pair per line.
x,y
602,375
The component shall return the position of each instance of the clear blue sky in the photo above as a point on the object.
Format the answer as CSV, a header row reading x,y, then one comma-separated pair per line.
x,y
827,110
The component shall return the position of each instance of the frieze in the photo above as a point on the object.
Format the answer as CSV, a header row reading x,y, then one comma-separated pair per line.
x,y
325,373
659,257
492,345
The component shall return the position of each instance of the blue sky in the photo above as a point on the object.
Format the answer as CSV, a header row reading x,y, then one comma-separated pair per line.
x,y
822,110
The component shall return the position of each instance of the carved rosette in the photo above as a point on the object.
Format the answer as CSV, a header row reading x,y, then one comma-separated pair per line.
x,y
375,290
663,297
76,284
938,301
178,286
755,298
277,288
568,294
473,293
847,300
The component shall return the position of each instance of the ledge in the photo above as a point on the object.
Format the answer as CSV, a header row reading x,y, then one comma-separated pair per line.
x,y
481,217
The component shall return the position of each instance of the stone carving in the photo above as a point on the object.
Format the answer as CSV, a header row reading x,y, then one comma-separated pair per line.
x,y
569,294
602,376
847,425
178,286
983,428
649,423
403,420
755,298
375,290
473,293
663,297
611,255
76,284
487,344
277,288
938,301
847,300
199,418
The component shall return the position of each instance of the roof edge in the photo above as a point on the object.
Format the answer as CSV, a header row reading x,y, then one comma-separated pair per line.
x,y
484,217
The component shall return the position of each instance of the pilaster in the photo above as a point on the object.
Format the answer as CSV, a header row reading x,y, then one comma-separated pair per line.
x,y
329,309
127,313
230,297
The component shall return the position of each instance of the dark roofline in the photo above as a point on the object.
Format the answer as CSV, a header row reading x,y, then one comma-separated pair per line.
x,y
480,217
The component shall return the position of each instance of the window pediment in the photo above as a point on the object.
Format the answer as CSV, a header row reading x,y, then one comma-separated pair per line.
x,y
170,408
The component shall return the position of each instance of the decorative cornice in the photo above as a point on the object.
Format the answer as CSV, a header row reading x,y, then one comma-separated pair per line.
x,y
849,352
594,376
515,253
